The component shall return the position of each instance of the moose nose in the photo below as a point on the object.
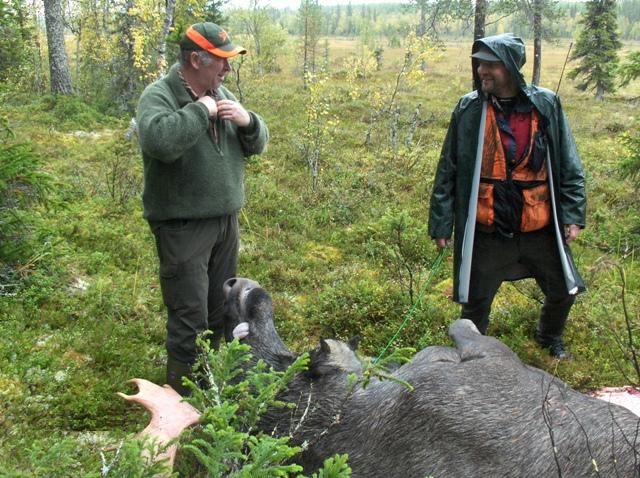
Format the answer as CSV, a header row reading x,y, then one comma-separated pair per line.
x,y
228,285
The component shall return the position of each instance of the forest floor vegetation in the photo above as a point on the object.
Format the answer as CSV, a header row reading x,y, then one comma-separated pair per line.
x,y
342,248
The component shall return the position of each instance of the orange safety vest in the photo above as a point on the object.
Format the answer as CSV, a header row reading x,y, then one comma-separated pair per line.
x,y
536,211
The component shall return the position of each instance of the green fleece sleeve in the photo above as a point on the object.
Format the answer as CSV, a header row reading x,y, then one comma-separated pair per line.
x,y
253,137
165,131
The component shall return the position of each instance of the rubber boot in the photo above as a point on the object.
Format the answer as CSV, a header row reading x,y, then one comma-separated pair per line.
x,y
216,338
553,319
175,371
221,330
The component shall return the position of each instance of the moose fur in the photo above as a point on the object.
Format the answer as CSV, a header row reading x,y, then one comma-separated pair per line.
x,y
476,409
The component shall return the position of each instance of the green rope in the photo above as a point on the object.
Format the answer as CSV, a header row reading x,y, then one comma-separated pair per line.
x,y
434,269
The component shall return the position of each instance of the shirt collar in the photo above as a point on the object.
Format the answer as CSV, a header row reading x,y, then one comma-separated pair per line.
x,y
520,104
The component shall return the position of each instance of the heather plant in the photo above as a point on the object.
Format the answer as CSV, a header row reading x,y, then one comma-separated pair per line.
x,y
630,164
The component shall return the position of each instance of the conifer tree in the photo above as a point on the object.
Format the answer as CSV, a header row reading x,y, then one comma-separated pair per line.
x,y
630,69
597,48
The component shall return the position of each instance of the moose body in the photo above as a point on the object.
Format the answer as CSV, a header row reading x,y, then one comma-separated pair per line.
x,y
476,409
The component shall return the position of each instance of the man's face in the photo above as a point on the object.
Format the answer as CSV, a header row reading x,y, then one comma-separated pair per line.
x,y
496,79
211,73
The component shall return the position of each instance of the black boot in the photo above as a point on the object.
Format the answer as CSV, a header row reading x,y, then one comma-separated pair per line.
x,y
553,319
477,311
175,371
556,347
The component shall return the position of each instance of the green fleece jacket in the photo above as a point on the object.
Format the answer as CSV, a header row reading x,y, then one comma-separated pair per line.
x,y
188,173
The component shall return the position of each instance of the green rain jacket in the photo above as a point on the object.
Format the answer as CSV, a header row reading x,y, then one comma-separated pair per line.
x,y
450,200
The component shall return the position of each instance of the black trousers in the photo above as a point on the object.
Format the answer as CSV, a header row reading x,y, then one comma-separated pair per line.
x,y
196,257
494,260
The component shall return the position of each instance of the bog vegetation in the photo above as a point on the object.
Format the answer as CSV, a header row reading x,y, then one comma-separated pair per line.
x,y
334,228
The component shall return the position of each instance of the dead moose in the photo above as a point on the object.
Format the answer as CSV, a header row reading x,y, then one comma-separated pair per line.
x,y
476,409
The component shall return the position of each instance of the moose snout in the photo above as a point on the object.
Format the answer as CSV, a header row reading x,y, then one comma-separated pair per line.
x,y
242,285
227,286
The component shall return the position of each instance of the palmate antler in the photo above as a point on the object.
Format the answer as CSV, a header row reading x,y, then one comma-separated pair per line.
x,y
169,414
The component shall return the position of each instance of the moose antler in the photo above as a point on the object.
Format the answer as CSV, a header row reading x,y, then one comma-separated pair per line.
x,y
169,414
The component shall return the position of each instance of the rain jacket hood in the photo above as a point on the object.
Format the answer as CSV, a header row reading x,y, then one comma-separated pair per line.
x,y
510,49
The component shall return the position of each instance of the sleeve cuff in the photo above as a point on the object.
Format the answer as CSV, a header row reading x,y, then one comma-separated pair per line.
x,y
251,127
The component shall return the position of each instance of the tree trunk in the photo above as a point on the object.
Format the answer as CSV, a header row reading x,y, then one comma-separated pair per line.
x,y
537,41
422,26
58,63
78,47
37,54
162,42
479,20
305,46
127,74
422,29
238,79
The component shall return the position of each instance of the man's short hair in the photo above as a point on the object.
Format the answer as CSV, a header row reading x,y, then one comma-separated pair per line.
x,y
205,57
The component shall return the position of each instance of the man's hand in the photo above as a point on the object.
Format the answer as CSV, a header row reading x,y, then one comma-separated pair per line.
x,y
211,105
442,242
571,232
234,112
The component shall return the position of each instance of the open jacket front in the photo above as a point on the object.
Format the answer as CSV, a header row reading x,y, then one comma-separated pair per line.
x,y
450,199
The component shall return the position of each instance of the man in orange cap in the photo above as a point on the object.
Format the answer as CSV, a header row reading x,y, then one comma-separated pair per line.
x,y
195,138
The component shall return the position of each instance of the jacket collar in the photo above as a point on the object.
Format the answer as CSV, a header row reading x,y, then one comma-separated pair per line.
x,y
180,92
177,88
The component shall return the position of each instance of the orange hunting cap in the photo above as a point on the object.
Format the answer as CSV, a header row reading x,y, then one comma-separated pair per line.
x,y
210,37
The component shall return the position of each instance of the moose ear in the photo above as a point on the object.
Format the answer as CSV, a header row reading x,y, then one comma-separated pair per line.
x,y
324,346
354,342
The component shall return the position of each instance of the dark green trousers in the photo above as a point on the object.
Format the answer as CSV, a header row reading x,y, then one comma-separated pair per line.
x,y
196,257
532,254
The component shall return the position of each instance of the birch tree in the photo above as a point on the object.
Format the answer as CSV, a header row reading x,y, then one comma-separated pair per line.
x,y
311,24
161,62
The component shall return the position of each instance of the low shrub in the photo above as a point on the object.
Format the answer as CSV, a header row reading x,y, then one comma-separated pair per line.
x,y
22,183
